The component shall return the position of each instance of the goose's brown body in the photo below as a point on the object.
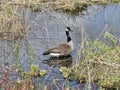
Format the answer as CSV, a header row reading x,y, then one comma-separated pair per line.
x,y
63,49
59,50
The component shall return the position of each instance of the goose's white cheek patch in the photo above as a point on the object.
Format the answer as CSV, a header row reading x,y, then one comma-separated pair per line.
x,y
67,29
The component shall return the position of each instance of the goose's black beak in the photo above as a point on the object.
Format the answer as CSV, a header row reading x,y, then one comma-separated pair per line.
x,y
71,30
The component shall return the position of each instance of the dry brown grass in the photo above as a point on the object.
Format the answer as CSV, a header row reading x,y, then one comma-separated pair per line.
x,y
65,5
12,22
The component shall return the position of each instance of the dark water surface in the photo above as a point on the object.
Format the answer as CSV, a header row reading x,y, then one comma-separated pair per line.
x,y
48,29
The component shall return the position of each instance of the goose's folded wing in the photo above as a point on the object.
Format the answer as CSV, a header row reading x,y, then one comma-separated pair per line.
x,y
61,48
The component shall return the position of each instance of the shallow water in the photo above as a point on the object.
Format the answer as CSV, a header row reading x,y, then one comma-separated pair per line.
x,y
48,29
52,31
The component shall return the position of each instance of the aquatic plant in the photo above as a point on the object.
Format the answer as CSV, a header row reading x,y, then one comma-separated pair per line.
x,y
99,62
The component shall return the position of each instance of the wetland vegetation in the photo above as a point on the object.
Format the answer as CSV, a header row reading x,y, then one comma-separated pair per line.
x,y
98,61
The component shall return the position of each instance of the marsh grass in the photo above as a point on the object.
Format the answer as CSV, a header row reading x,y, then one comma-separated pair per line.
x,y
64,5
100,62
12,22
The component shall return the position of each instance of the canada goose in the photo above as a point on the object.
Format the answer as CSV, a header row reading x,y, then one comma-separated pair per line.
x,y
62,49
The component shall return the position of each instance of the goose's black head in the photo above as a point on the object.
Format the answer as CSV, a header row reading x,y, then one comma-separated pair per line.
x,y
68,29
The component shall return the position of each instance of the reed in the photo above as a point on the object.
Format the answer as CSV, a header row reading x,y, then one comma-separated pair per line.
x,y
13,23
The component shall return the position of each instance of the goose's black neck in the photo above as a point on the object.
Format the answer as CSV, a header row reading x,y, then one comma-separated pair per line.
x,y
68,36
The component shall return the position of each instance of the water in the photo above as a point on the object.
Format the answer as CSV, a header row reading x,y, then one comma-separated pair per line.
x,y
48,29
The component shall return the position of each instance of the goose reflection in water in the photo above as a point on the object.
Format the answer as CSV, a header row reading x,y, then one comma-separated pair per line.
x,y
58,62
